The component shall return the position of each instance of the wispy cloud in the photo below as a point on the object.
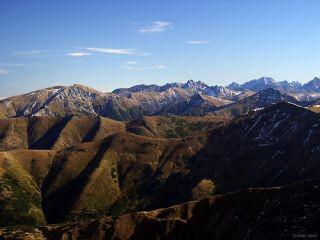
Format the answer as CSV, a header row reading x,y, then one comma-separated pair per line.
x,y
138,68
134,68
117,51
12,64
201,42
156,27
27,53
131,63
159,66
79,54
3,71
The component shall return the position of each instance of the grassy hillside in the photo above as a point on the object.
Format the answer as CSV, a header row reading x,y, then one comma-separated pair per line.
x,y
125,172
256,213
21,175
171,126
59,133
114,175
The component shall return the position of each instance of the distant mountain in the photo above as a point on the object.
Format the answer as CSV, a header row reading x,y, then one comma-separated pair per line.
x,y
197,105
294,87
263,83
313,85
122,104
307,92
190,86
256,101
235,86
76,99
260,84
140,100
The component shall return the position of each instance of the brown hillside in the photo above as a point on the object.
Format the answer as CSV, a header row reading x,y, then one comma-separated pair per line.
x,y
258,213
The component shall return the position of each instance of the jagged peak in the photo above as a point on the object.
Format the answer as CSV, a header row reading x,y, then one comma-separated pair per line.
x,y
316,79
193,84
264,80
84,88
233,84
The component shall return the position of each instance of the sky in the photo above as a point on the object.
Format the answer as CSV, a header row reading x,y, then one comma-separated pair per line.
x,y
121,43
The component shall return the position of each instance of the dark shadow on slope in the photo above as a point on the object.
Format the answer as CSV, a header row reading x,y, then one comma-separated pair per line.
x,y
58,204
93,131
4,133
50,137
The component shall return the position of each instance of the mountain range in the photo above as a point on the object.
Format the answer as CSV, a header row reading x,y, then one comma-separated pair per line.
x,y
190,98
182,160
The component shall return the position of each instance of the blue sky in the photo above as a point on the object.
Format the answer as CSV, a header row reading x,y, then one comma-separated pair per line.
x,y
111,44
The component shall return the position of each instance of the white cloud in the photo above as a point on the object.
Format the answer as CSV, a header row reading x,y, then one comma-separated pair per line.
x,y
12,64
131,63
134,68
202,42
27,53
144,54
156,27
160,67
79,54
113,50
3,71
117,51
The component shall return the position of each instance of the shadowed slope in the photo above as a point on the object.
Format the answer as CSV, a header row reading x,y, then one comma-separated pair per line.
x,y
54,133
59,203
258,213
93,131
126,172
273,146
50,137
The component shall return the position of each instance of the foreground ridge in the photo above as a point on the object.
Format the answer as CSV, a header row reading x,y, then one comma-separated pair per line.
x,y
255,213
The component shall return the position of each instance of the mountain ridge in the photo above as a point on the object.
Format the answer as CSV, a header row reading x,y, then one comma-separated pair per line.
x,y
140,100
